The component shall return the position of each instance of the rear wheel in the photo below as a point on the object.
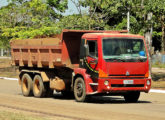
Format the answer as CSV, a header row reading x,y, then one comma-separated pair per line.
x,y
80,90
39,89
132,97
27,85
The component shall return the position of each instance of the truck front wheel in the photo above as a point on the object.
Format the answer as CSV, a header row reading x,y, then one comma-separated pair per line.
x,y
26,85
38,87
80,90
132,97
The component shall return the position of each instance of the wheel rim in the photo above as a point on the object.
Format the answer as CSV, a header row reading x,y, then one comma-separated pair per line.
x,y
36,86
25,85
79,89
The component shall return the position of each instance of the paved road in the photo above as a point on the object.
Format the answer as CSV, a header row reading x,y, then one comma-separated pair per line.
x,y
150,106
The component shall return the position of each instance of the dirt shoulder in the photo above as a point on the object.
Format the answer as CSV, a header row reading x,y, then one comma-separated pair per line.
x,y
6,69
158,70
158,78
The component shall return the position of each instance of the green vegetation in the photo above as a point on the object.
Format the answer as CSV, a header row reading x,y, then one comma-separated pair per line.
x,y
22,19
158,65
158,84
17,116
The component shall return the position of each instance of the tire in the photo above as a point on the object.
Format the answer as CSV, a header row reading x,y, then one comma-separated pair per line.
x,y
132,97
39,89
80,90
26,85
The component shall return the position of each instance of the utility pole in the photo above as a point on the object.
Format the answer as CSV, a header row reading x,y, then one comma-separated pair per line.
x,y
128,20
148,37
1,51
148,34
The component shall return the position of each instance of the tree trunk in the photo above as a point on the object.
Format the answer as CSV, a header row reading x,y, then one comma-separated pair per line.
x,y
163,35
1,51
148,38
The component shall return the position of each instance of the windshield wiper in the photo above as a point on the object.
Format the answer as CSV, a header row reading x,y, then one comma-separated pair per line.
x,y
135,59
142,59
117,59
127,59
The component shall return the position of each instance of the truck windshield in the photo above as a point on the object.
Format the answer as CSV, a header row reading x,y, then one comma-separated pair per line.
x,y
124,50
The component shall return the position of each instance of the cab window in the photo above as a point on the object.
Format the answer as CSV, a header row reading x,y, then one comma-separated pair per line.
x,y
93,51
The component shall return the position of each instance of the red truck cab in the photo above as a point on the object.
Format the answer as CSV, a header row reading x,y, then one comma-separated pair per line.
x,y
112,63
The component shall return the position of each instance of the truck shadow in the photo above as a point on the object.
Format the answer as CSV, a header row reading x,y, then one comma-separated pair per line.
x,y
94,99
61,97
111,100
100,99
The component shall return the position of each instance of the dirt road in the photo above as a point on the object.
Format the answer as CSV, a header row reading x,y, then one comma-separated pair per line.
x,y
150,107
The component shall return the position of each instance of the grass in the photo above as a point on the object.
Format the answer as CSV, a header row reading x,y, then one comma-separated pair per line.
x,y
6,70
158,65
158,80
17,116
158,84
5,62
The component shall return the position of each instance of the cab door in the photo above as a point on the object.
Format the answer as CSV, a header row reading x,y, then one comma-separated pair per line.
x,y
90,59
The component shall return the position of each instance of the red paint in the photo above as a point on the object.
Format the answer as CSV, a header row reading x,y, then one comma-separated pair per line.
x,y
86,77
103,88
117,70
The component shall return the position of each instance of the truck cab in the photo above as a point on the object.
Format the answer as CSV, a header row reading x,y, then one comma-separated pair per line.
x,y
113,63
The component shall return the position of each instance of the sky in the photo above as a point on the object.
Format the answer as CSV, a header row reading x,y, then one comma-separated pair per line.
x,y
72,9
3,3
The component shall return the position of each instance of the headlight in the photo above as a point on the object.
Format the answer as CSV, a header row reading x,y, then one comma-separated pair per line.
x,y
106,82
148,82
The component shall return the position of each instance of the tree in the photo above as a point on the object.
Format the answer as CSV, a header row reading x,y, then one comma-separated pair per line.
x,y
80,22
34,18
157,7
22,19
113,12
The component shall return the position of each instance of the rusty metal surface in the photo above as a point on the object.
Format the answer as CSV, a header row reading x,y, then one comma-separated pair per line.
x,y
36,55
40,41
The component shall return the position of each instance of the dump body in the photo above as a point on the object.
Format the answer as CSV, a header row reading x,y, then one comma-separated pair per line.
x,y
37,52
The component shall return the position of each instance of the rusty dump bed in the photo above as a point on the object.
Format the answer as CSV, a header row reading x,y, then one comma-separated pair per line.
x,y
36,52
63,50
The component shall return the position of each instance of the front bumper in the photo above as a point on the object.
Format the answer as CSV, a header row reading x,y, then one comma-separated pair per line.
x,y
117,85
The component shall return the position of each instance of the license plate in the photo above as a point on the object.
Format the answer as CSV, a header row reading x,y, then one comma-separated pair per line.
x,y
128,82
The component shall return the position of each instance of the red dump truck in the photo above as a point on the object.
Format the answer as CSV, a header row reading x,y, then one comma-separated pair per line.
x,y
84,63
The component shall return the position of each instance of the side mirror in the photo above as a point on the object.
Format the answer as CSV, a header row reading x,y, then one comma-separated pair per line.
x,y
86,50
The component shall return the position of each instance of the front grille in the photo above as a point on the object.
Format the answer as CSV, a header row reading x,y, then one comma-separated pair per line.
x,y
123,85
132,76
127,77
138,75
